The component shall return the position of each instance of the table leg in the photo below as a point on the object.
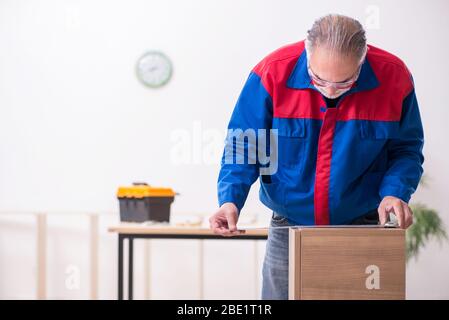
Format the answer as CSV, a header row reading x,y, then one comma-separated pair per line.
x,y
130,267
120,266
201,269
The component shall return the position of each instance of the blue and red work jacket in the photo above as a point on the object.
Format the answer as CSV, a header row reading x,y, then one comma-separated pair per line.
x,y
334,164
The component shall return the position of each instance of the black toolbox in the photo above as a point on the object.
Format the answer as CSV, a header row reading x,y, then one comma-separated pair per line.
x,y
141,202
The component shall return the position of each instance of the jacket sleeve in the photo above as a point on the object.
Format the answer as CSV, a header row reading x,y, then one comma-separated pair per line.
x,y
405,157
252,111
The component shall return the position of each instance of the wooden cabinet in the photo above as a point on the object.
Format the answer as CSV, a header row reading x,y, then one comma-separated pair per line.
x,y
346,263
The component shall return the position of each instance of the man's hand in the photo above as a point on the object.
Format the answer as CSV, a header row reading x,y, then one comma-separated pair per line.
x,y
224,221
399,208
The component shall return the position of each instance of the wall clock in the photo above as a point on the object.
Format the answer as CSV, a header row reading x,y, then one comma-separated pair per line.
x,y
154,69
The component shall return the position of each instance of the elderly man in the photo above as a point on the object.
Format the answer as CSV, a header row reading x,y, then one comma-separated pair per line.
x,y
348,140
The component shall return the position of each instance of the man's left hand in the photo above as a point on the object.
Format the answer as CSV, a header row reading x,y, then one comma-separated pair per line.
x,y
399,208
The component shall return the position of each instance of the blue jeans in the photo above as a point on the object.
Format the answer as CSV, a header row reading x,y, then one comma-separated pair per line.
x,y
275,265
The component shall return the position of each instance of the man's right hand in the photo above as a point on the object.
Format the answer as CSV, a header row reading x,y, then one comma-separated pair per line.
x,y
224,221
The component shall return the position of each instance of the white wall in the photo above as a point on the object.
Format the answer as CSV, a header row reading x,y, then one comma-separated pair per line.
x,y
76,123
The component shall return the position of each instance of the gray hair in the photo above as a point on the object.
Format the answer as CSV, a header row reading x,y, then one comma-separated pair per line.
x,y
339,34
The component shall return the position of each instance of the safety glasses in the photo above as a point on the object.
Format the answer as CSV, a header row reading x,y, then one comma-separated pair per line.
x,y
337,85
